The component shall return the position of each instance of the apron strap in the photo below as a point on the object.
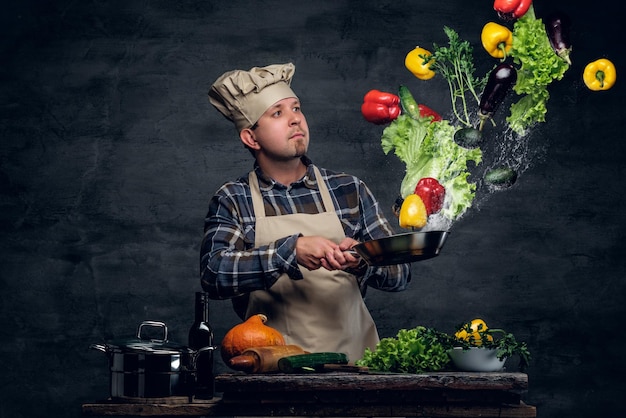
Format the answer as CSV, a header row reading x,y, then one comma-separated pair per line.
x,y
321,185
257,198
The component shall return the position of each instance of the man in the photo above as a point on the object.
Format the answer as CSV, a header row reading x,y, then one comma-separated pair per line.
x,y
277,239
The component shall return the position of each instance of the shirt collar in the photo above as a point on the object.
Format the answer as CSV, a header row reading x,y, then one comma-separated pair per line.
x,y
308,180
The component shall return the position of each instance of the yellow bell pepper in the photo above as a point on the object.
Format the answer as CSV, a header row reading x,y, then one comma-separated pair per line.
x,y
418,62
474,332
496,39
600,75
413,212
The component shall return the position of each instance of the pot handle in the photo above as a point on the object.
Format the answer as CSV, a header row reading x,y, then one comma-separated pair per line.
x,y
152,324
207,348
196,354
99,347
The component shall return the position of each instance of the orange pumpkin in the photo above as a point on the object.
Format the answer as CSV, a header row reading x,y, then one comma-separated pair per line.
x,y
249,334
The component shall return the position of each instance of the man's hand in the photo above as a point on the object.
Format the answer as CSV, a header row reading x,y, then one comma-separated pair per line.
x,y
340,258
311,250
315,252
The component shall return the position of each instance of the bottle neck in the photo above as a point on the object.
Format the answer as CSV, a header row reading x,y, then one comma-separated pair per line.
x,y
202,307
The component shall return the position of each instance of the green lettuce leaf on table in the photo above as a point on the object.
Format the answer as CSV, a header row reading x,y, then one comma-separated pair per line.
x,y
416,350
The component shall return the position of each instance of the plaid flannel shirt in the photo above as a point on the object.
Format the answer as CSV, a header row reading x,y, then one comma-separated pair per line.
x,y
230,264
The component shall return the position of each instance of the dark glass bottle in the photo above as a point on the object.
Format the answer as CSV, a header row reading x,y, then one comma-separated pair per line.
x,y
201,336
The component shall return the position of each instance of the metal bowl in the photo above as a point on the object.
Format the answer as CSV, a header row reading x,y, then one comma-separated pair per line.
x,y
476,359
403,248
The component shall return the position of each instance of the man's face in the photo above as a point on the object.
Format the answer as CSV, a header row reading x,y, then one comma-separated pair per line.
x,y
282,131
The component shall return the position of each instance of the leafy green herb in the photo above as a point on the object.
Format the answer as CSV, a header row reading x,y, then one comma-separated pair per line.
x,y
540,66
424,349
415,350
503,342
428,150
508,346
455,63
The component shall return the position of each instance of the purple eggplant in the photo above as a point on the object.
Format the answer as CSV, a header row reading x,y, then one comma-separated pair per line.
x,y
500,81
558,30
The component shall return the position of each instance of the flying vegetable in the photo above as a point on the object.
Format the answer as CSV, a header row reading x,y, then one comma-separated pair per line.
x,y
496,39
511,9
455,63
500,81
413,212
599,75
432,194
380,107
411,108
558,30
418,62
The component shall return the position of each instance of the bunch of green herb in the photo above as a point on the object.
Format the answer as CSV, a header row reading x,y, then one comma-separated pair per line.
x,y
540,66
415,350
455,63
503,342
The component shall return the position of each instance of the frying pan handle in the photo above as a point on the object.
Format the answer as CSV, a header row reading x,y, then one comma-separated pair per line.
x,y
352,252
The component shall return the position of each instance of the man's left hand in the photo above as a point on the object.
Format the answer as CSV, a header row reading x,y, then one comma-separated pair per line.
x,y
341,258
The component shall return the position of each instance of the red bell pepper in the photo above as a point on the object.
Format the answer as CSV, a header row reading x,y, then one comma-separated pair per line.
x,y
511,9
432,194
380,107
426,111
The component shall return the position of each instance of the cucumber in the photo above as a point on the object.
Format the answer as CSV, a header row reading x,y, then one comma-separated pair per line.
x,y
501,176
468,137
310,361
408,103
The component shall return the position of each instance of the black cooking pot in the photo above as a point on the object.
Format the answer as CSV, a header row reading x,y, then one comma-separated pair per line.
x,y
145,367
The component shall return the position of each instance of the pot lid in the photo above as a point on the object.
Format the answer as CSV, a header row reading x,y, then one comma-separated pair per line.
x,y
146,344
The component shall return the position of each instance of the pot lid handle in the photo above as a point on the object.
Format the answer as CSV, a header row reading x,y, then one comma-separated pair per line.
x,y
155,324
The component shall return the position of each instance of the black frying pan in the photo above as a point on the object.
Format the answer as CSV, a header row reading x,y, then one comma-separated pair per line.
x,y
402,248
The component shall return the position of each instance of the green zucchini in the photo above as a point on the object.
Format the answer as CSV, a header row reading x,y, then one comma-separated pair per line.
x,y
310,361
501,176
408,103
468,137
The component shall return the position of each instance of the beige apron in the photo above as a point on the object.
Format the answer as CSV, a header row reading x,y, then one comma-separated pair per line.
x,y
325,310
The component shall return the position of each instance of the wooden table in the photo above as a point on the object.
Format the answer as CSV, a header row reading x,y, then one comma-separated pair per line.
x,y
442,394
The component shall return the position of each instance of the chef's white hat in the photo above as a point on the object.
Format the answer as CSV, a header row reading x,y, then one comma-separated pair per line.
x,y
243,96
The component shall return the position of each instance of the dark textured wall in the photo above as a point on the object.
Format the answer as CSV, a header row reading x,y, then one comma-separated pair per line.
x,y
110,153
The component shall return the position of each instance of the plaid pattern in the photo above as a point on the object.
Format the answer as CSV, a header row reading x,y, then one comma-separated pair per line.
x,y
231,266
